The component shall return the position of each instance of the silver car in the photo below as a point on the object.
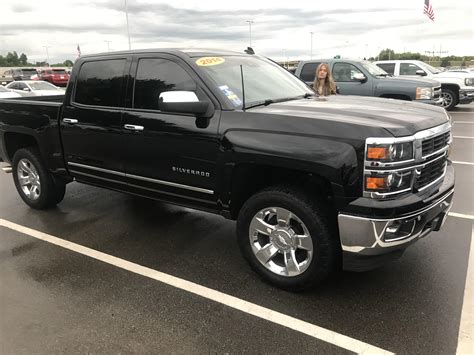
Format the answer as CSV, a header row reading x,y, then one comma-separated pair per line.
x,y
34,88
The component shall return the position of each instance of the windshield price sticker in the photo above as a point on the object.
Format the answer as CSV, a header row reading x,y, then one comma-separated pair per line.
x,y
208,61
231,95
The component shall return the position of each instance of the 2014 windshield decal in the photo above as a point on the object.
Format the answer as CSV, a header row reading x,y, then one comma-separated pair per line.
x,y
190,171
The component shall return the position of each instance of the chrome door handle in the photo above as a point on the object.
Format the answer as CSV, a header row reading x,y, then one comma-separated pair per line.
x,y
70,120
132,127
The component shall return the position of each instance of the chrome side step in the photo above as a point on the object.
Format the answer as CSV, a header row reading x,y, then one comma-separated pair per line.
x,y
7,169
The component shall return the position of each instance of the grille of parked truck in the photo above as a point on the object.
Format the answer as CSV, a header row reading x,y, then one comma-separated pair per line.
x,y
315,183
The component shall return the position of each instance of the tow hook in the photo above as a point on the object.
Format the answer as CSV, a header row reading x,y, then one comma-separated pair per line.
x,y
7,169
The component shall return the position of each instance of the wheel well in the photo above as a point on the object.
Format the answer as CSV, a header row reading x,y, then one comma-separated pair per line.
x,y
396,96
15,141
247,179
455,88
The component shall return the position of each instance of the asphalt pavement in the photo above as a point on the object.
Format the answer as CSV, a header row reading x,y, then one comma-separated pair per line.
x,y
68,298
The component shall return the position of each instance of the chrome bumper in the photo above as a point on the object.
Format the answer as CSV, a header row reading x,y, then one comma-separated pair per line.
x,y
370,237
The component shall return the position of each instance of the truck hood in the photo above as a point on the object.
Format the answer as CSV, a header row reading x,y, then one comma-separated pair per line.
x,y
419,82
453,74
399,118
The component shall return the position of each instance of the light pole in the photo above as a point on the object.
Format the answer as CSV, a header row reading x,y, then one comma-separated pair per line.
x,y
108,45
366,47
128,28
47,53
250,32
311,52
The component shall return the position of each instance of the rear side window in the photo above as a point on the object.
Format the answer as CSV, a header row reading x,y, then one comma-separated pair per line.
x,y
100,83
308,72
155,76
388,67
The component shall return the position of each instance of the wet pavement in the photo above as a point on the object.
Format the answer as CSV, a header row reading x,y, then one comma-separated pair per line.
x,y
54,300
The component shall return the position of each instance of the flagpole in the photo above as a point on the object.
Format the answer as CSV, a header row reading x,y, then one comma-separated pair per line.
x,y
128,28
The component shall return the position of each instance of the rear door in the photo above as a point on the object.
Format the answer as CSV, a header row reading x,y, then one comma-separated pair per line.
x,y
308,72
169,156
91,122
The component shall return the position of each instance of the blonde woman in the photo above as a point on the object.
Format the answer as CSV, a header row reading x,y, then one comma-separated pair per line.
x,y
324,84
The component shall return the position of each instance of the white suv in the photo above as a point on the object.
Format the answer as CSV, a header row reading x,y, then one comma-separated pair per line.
x,y
457,87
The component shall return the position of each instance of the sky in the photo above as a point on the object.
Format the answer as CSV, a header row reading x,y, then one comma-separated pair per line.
x,y
282,30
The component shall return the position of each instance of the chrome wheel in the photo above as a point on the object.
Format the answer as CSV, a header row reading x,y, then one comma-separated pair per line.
x,y
448,99
29,179
280,241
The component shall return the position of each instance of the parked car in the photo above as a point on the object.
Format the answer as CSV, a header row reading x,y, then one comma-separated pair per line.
x,y
6,94
25,74
55,76
355,77
6,77
457,87
315,184
34,88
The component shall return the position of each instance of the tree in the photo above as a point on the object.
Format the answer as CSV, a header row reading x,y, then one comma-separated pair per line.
x,y
23,59
387,54
12,59
445,62
68,63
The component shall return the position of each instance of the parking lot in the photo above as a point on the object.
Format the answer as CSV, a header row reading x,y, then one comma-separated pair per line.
x,y
110,273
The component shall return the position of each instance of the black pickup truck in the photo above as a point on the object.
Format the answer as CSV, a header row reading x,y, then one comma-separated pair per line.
x,y
314,183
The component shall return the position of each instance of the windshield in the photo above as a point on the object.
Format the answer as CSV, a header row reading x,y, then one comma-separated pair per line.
x,y
29,71
433,70
59,71
374,69
41,85
263,80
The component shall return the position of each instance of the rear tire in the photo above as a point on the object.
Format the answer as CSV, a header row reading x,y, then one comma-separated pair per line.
x,y
286,238
35,184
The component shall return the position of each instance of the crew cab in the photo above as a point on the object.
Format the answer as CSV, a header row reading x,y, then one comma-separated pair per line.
x,y
315,183
457,87
355,77
55,76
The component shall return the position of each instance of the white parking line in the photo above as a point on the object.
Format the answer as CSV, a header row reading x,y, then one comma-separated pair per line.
x,y
464,137
461,215
466,327
469,122
462,162
298,325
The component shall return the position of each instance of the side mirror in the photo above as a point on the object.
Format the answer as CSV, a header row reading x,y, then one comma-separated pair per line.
x,y
183,102
360,77
420,72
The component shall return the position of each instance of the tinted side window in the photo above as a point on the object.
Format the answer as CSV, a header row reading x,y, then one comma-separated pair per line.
x,y
408,69
308,72
155,76
344,72
388,67
100,83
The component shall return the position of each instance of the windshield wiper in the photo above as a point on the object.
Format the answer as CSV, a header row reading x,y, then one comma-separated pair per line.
x,y
283,99
260,103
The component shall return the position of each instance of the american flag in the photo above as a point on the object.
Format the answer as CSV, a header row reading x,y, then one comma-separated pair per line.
x,y
428,10
78,51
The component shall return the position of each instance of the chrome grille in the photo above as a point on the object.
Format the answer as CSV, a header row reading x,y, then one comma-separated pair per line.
x,y
437,92
430,173
433,144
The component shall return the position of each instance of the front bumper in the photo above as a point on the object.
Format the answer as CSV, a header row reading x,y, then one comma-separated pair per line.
x,y
466,96
438,101
372,236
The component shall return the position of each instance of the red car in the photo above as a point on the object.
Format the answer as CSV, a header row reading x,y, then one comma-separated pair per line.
x,y
55,76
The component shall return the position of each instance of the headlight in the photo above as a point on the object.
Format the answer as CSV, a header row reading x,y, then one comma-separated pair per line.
x,y
424,93
469,82
390,182
394,152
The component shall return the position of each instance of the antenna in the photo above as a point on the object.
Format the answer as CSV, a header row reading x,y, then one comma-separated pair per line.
x,y
243,87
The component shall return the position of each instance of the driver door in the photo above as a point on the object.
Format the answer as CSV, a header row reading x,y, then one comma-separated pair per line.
x,y
170,156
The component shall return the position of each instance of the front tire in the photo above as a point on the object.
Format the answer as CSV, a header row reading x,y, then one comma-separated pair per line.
x,y
450,99
286,238
34,183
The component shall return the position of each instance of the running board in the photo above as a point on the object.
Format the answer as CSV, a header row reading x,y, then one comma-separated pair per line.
x,y
7,169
